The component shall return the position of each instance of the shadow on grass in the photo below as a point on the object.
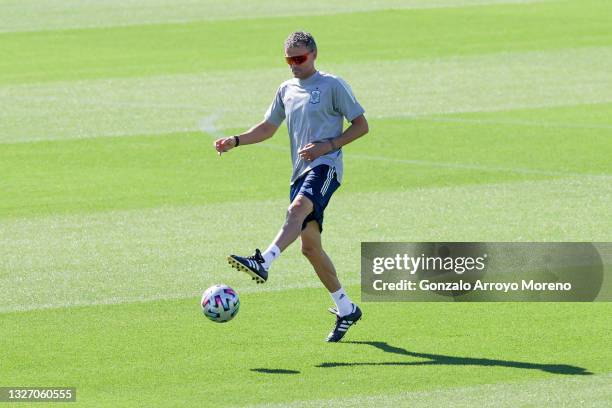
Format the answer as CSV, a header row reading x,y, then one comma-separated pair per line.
x,y
274,371
439,359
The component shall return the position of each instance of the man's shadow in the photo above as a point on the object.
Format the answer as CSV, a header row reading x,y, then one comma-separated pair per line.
x,y
439,359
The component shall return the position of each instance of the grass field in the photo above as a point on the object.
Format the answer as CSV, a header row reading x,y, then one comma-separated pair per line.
x,y
490,120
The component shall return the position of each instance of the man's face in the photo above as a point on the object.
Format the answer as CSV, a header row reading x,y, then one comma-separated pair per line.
x,y
301,69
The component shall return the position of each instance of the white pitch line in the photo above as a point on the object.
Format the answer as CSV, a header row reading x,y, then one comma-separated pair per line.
x,y
121,300
477,121
207,125
450,165
478,167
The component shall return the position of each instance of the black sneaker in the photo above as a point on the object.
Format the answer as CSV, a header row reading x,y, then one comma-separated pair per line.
x,y
343,323
252,265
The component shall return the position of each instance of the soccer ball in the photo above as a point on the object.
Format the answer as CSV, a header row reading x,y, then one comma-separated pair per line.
x,y
220,303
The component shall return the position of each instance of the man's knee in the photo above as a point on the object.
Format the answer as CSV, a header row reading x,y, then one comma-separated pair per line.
x,y
311,251
299,208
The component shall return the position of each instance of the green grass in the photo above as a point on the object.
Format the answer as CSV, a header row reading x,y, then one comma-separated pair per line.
x,y
181,169
165,353
247,43
488,123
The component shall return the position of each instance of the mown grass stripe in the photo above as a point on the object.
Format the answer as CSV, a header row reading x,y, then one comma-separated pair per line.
x,y
508,81
68,260
61,14
558,392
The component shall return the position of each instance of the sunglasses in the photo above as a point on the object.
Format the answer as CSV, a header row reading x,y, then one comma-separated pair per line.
x,y
297,60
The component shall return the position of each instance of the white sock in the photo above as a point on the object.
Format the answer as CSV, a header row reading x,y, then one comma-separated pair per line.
x,y
270,254
343,302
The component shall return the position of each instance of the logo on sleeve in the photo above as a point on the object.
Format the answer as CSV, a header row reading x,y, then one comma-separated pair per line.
x,y
315,96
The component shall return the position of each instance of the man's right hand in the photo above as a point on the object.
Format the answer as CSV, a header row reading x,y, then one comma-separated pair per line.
x,y
224,144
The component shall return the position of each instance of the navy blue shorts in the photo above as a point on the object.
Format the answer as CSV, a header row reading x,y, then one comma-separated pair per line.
x,y
318,185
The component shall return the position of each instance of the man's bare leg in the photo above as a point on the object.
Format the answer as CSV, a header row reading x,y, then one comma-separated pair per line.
x,y
313,251
296,214
347,312
323,266
258,264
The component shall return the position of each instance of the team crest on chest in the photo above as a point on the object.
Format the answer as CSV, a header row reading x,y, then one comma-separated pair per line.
x,y
315,96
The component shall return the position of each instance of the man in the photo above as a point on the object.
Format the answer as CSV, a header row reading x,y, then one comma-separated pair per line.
x,y
315,105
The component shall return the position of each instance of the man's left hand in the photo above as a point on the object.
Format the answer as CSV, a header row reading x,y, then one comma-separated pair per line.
x,y
313,150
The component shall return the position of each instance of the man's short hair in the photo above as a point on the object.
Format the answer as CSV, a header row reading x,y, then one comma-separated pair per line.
x,y
301,38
